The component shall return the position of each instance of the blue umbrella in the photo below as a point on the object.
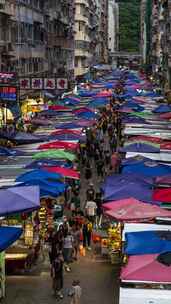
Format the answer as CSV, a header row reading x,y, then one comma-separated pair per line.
x,y
69,125
140,147
10,152
52,188
37,175
48,163
162,109
156,242
148,168
87,115
8,235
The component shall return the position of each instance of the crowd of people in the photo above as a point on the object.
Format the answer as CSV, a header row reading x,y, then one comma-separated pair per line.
x,y
97,158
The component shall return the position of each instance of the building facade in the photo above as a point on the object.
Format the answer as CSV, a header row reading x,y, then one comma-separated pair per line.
x,y
37,37
91,34
113,31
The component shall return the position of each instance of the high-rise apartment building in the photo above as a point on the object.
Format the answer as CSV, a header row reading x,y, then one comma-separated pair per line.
x,y
113,30
37,37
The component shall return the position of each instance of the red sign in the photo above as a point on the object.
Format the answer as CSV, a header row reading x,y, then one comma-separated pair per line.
x,y
8,93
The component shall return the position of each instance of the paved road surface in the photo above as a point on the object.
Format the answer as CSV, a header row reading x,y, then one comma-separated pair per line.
x,y
98,280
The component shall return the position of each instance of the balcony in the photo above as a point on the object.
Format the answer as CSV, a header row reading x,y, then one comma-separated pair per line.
x,y
65,43
83,2
7,8
81,71
79,17
81,53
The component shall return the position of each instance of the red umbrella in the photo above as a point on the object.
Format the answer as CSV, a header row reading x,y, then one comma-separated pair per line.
x,y
166,115
81,110
151,139
70,173
58,108
59,145
66,131
104,94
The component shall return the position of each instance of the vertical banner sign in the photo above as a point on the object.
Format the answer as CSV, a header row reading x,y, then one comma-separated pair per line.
x,y
25,83
49,84
62,83
37,83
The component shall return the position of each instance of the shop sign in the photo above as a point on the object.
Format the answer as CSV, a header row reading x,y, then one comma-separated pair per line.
x,y
49,84
43,83
25,83
8,93
28,235
62,84
7,77
37,83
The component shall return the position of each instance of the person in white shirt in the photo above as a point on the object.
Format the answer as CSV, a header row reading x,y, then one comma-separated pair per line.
x,y
91,210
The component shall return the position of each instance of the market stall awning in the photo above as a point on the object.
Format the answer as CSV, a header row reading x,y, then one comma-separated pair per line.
x,y
163,108
19,200
146,269
131,209
8,235
149,168
58,108
37,164
147,242
143,147
162,195
70,173
68,125
58,154
49,188
66,131
59,145
39,174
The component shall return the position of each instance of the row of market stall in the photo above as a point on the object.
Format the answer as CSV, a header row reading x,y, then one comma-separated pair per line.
x,y
137,201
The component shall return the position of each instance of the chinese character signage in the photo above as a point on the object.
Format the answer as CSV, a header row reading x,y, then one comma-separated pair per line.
x,y
62,84
7,77
49,84
25,83
43,83
37,83
8,93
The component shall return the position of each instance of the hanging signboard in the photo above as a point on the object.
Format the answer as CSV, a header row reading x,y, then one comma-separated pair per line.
x,y
62,83
7,77
49,84
43,83
8,93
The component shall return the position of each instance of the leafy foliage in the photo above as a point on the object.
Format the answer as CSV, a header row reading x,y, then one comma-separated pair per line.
x,y
129,16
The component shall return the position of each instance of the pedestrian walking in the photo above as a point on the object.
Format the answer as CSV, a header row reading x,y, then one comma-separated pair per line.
x,y
57,275
68,250
100,165
76,236
91,209
99,201
76,292
87,233
88,171
90,193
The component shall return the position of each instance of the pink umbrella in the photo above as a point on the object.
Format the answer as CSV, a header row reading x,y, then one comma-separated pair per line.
x,y
104,94
145,268
131,209
59,145
58,108
165,115
66,131
70,173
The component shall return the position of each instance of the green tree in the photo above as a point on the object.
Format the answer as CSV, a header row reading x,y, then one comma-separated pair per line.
x,y
129,16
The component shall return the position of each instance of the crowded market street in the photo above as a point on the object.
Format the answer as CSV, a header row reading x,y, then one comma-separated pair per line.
x,y
83,188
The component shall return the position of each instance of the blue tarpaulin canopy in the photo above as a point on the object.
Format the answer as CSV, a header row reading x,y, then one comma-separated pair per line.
x,y
134,189
37,175
68,125
48,163
148,168
19,199
53,189
162,109
10,152
140,147
147,242
8,235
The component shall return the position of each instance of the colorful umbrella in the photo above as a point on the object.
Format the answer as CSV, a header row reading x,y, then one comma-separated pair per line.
x,y
55,154
67,131
58,108
70,173
130,209
37,175
59,145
